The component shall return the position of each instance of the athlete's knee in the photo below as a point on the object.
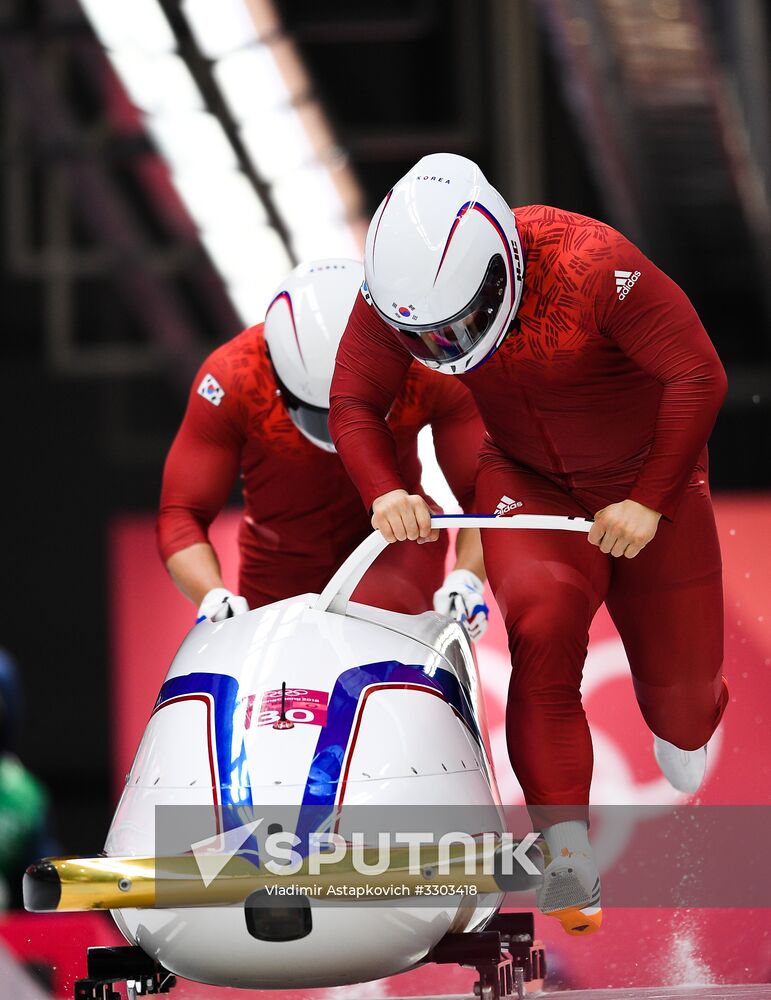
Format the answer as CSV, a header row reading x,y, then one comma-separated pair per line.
x,y
687,730
685,719
688,737
548,648
553,630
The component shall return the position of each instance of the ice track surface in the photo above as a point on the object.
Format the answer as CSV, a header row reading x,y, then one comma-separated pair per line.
x,y
756,991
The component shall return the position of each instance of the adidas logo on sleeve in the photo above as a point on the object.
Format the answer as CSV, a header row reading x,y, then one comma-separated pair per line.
x,y
625,282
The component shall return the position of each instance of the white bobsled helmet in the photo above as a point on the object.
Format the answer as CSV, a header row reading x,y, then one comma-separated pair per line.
x,y
303,326
444,263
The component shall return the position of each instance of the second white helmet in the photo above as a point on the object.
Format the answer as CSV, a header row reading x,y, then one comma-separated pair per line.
x,y
303,326
444,264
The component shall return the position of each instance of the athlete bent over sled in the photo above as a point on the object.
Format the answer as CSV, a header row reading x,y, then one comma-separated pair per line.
x,y
259,405
598,387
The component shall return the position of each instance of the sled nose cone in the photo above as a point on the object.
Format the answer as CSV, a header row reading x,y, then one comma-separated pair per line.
x,y
42,887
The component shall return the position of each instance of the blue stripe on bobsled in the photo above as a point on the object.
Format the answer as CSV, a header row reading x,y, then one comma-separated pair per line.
x,y
326,766
232,771
324,775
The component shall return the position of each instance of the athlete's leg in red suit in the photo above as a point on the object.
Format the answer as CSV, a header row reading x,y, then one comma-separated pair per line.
x,y
549,584
667,604
405,577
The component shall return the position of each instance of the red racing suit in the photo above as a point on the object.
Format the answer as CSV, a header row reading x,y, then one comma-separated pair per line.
x,y
302,514
606,388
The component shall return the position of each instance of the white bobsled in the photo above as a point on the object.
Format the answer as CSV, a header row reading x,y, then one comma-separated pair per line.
x,y
313,706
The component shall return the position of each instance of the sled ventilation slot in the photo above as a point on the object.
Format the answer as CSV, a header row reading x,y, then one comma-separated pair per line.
x,y
266,920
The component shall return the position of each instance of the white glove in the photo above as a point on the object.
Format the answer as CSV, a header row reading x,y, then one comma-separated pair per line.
x,y
220,604
461,598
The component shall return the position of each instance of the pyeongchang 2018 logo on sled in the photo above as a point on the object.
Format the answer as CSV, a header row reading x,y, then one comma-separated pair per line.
x,y
625,282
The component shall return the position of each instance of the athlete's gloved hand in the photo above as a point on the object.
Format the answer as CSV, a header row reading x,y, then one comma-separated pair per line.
x,y
462,598
220,604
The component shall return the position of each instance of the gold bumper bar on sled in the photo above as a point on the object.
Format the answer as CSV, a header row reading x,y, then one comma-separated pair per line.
x,y
105,883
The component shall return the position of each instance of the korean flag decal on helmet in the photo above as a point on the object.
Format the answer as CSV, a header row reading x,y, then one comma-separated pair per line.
x,y
365,293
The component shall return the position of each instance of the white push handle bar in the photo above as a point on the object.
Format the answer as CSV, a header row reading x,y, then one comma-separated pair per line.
x,y
335,596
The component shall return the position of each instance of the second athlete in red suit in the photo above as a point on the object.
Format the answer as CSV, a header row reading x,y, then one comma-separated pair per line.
x,y
258,407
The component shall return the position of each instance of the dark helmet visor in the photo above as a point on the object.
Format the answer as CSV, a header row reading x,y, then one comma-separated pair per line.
x,y
311,420
460,335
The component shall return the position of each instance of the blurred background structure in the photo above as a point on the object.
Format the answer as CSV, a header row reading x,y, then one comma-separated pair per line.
x,y
165,162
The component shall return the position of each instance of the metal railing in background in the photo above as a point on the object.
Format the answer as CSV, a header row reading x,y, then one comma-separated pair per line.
x,y
679,143
190,180
227,100
69,223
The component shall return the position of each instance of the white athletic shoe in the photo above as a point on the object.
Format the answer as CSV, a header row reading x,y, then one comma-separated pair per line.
x,y
683,769
570,892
